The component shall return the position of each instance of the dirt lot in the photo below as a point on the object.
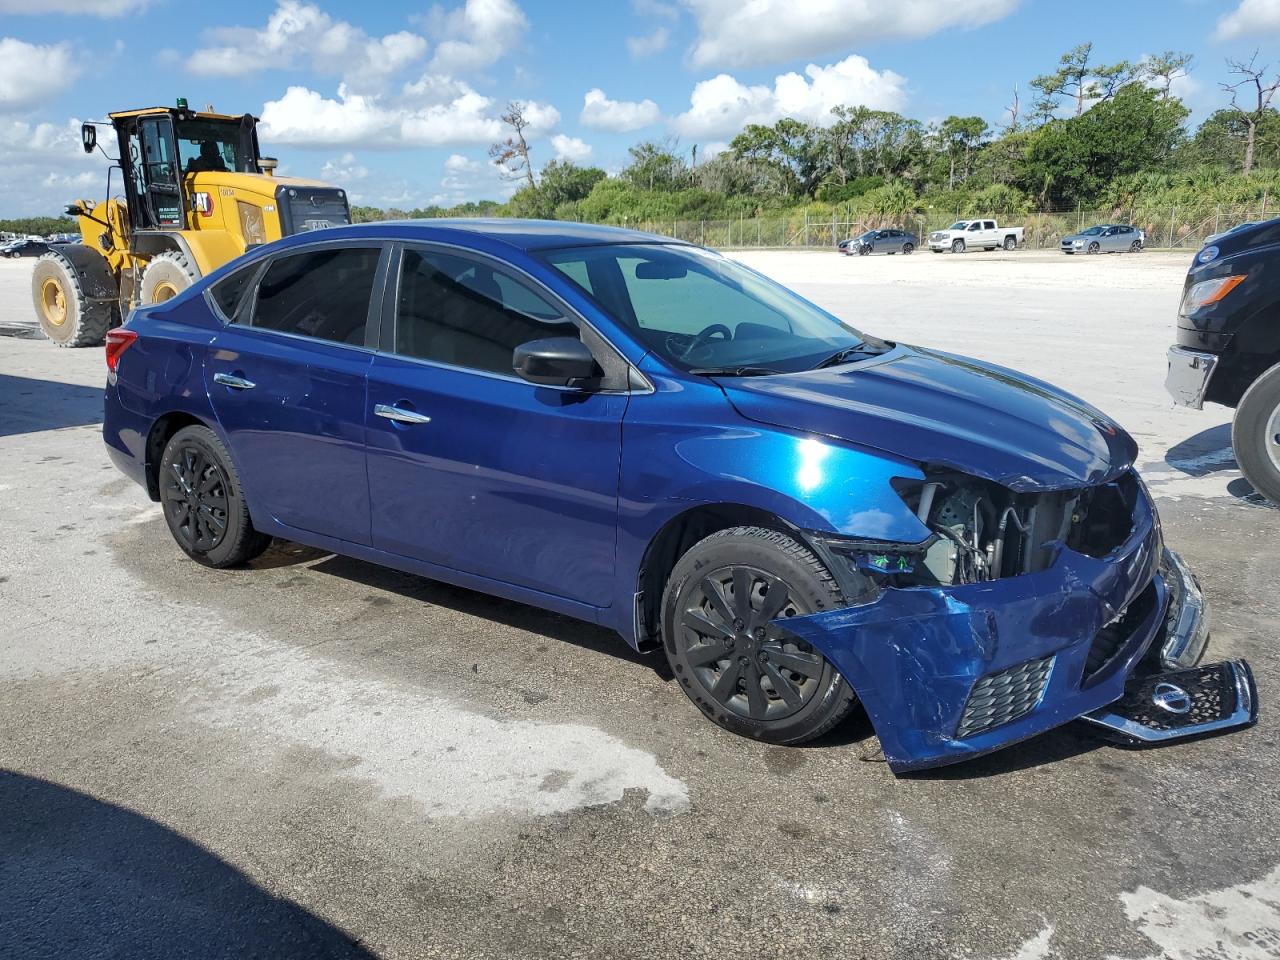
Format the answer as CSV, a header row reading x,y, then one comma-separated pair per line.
x,y
318,757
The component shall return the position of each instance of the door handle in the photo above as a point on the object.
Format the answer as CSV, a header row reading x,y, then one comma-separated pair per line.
x,y
399,414
234,382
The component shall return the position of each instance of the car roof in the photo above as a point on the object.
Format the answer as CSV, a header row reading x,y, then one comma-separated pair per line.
x,y
521,234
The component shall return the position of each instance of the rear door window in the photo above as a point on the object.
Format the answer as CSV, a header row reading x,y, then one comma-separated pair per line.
x,y
323,294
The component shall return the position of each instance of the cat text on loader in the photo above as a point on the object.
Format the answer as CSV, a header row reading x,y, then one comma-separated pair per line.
x,y
196,194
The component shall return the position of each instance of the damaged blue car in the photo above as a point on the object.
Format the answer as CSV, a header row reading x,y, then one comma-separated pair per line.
x,y
641,433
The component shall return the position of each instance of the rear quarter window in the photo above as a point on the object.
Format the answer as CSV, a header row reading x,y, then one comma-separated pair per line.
x,y
228,292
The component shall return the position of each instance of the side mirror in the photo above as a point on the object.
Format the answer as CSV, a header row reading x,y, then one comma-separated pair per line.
x,y
88,136
74,210
555,362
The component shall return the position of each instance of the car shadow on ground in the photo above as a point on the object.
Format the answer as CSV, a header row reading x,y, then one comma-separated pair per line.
x,y
1209,452
83,878
31,406
1047,748
542,623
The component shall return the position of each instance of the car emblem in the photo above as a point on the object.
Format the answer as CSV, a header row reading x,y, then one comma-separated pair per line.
x,y
1171,698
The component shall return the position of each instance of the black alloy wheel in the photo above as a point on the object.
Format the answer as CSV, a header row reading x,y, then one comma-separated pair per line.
x,y
194,491
747,665
1094,247
908,247
723,610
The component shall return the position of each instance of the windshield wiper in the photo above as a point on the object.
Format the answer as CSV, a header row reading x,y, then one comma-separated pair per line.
x,y
733,371
844,356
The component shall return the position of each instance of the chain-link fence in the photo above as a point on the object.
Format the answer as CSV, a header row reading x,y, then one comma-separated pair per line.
x,y
1165,227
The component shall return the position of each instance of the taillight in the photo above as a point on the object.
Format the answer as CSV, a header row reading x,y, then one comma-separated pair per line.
x,y
118,341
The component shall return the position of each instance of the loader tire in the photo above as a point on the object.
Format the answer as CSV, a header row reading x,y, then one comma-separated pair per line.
x,y
67,317
166,276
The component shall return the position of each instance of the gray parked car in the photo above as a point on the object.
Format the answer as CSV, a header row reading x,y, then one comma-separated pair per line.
x,y
1105,238
880,241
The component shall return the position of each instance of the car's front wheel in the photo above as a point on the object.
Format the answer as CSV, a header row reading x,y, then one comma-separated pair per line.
x,y
1093,247
204,502
1255,434
751,678
957,246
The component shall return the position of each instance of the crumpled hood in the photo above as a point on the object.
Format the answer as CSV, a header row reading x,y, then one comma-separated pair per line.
x,y
948,411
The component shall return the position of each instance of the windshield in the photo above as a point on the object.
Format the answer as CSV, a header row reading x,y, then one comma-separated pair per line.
x,y
869,235
959,225
1092,231
699,310
211,145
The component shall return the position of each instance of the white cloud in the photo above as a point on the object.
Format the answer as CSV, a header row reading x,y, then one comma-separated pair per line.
x,y
30,74
476,34
721,106
42,168
457,163
736,34
1250,18
298,31
344,169
649,44
92,8
433,112
570,148
619,116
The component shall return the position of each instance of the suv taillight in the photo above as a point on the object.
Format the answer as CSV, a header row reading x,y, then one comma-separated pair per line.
x,y
118,341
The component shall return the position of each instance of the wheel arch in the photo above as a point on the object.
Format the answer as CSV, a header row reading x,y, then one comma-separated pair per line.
x,y
161,432
682,531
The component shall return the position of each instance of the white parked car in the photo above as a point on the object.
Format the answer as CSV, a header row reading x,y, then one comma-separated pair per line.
x,y
972,234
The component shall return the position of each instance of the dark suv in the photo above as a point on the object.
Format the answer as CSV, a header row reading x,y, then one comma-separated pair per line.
x,y
1228,348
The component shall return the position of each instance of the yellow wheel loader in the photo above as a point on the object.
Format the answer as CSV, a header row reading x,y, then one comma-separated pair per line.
x,y
195,194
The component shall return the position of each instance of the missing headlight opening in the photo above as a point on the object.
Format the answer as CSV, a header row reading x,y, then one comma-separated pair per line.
x,y
983,531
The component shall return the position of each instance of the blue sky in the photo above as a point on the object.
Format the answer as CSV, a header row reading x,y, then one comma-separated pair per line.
x,y
398,101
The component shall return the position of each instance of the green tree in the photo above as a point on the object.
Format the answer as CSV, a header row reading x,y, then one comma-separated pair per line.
x,y
1079,80
563,185
792,148
960,137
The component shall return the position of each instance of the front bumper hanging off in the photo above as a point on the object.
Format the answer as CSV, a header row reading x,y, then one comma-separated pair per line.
x,y
950,673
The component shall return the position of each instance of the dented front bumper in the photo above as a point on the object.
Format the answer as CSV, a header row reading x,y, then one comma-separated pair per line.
x,y
950,673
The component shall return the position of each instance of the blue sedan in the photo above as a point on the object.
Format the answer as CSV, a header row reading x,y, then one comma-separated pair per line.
x,y
647,435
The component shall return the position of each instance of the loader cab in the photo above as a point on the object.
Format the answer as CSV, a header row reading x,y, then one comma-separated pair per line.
x,y
158,148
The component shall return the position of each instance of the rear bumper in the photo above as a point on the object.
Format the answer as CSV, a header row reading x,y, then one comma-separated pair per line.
x,y
947,674
1187,380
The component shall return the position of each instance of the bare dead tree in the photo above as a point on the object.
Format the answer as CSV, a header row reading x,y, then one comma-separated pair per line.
x,y
511,156
1013,110
1257,94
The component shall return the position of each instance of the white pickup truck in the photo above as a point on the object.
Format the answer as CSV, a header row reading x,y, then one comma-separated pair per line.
x,y
971,234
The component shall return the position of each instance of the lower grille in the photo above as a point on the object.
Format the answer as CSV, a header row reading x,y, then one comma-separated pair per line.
x,y
1004,697
1201,695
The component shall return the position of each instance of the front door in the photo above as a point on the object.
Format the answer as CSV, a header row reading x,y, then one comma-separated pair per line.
x,y
288,383
471,467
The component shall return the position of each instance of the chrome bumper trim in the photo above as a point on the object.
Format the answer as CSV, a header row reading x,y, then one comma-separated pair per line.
x,y
1187,623
1187,380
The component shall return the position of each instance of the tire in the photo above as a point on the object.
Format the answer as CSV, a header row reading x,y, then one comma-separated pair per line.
x,y
908,248
66,316
1010,243
1135,247
864,250
1254,434
1093,247
957,246
166,276
798,694
196,472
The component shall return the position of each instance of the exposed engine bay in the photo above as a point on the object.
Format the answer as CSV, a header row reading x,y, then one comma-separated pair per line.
x,y
983,531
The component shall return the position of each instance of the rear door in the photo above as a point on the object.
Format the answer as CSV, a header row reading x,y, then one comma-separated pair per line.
x,y
287,377
473,468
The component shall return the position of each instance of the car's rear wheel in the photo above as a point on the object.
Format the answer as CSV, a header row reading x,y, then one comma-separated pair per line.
x,y
751,678
203,500
1093,247
1255,434
957,246
1010,243
908,248
1135,247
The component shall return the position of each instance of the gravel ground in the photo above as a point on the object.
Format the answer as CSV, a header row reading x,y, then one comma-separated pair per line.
x,y
318,757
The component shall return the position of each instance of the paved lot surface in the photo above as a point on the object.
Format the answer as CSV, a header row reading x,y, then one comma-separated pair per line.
x,y
318,757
